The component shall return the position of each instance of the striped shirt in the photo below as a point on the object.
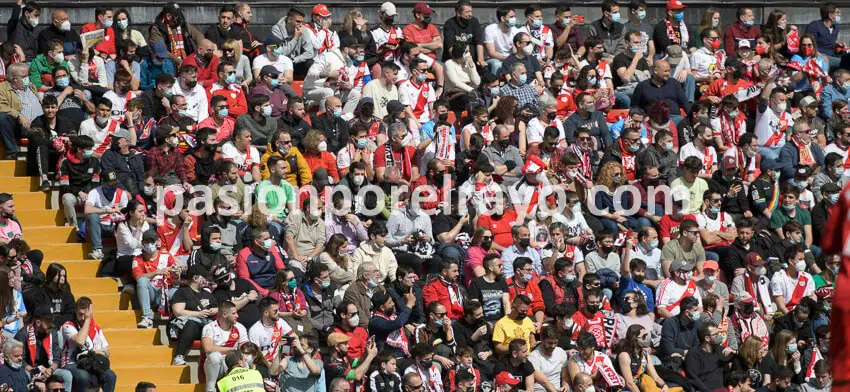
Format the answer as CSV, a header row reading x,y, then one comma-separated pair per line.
x,y
31,105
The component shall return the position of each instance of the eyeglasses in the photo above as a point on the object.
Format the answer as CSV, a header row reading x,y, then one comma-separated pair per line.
x,y
585,138
715,201
487,237
694,232
286,142
440,315
223,107
807,45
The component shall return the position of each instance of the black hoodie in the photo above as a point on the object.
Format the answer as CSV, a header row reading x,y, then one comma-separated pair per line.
x,y
59,299
205,256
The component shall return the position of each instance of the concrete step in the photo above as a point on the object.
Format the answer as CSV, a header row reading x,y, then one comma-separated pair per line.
x,y
20,184
125,319
30,200
163,387
161,374
77,269
88,286
31,218
50,235
131,336
13,168
106,301
139,355
63,251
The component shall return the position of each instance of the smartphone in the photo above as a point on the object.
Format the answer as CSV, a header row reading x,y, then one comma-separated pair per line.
x,y
286,347
579,18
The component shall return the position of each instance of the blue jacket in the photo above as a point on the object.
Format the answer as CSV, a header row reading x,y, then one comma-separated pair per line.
x,y
830,94
150,71
17,379
789,157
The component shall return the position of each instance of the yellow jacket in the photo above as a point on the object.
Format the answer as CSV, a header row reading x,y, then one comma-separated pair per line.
x,y
9,101
298,176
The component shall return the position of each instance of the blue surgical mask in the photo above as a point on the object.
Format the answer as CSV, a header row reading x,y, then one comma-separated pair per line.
x,y
372,284
88,153
512,22
63,82
494,91
267,111
715,24
839,172
230,79
292,283
615,180
837,19
275,83
653,244
278,51
421,77
338,112
833,198
527,277
679,16
636,49
591,81
361,143
714,210
792,348
326,284
358,59
748,23
537,23
641,15
566,22
216,246
268,243
615,17
668,147
15,366
223,112
789,207
634,148
522,79
123,24
438,323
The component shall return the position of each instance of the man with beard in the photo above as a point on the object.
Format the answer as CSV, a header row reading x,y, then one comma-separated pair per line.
x,y
560,286
661,155
550,360
753,282
727,180
387,326
444,289
270,330
548,150
504,157
490,289
452,229
429,188
338,364
625,152
222,219
516,363
479,189
43,344
239,291
736,262
514,326
404,283
472,331
200,163
701,147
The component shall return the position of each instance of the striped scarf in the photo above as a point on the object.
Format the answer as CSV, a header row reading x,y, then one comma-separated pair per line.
x,y
175,36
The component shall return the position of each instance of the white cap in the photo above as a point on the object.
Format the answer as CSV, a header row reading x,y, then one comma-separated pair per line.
x,y
389,9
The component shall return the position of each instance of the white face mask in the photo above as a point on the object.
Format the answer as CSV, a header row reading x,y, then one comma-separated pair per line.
x,y
358,179
65,26
801,266
354,320
323,146
780,108
528,49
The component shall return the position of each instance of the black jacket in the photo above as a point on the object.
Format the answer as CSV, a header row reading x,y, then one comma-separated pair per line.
x,y
335,130
296,127
733,205
77,176
820,214
153,105
60,301
738,256
468,31
130,168
21,33
761,193
365,38
70,40
216,35
803,332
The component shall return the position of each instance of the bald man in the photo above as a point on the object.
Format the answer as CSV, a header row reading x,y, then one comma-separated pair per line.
x,y
207,61
332,124
661,87
60,30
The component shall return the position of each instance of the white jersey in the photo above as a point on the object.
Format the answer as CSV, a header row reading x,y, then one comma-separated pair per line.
x,y
535,128
231,338
783,285
418,98
268,338
652,259
544,41
721,221
345,156
244,161
502,42
704,62
733,152
70,349
119,103
404,70
486,132
771,129
708,156
100,136
669,294
282,63
381,37
197,103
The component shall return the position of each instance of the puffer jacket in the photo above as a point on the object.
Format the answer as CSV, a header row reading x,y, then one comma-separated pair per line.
x,y
299,173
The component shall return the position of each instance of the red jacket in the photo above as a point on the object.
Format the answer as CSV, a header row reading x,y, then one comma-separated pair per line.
x,y
108,44
235,99
438,290
428,192
323,160
532,290
206,75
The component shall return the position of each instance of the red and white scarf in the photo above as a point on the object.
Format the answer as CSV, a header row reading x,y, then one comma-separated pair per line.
x,y
729,130
805,153
46,343
397,338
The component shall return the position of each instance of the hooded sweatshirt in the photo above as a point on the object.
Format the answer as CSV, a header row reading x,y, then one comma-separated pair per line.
x,y
59,299
383,258
205,256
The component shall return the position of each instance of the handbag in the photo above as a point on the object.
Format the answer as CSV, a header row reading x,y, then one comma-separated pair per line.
x,y
92,362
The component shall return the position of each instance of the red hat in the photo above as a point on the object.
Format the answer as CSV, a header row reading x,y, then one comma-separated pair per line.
x,y
533,165
710,264
505,378
321,10
675,5
422,8
755,260
729,163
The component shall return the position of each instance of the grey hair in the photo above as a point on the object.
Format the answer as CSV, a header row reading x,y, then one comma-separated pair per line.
x,y
17,69
546,102
361,270
11,344
335,383
397,128
515,67
797,126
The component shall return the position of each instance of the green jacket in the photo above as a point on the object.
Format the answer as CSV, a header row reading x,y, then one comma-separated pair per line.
x,y
41,65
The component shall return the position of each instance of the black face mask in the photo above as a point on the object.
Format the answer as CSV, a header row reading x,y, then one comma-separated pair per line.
x,y
653,181
438,178
474,154
551,116
592,309
638,278
207,57
191,84
389,20
427,19
606,249
521,316
211,148
504,143
748,309
487,244
443,116
366,111
525,242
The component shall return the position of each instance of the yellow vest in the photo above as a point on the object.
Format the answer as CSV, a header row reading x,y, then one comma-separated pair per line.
x,y
242,380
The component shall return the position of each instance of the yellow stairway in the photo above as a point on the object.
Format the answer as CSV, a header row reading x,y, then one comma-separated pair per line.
x,y
136,354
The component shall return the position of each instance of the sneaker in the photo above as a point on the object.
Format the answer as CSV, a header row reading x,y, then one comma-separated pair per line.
x,y
178,361
45,186
96,254
129,288
147,323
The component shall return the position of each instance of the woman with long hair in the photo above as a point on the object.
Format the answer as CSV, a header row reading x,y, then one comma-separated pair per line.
x,y
784,351
32,278
637,370
813,68
507,113
339,263
232,52
316,154
12,309
481,245
355,25
710,20
751,358
56,294
128,234
611,176
776,28
254,359
289,296
634,311
658,119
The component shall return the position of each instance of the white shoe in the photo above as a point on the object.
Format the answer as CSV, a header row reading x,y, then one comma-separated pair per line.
x,y
96,254
178,361
147,323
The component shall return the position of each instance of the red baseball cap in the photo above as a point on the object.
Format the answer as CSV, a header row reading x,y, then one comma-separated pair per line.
x,y
505,378
422,8
321,10
729,163
675,5
710,264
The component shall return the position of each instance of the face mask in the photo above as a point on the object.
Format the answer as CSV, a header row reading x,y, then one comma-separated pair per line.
x,y
291,284
274,83
634,148
372,284
800,266
361,143
566,22
354,320
761,271
718,339
524,242
223,112
645,342
714,210
615,17
679,16
65,26
748,23
325,284
191,84
268,243
123,24
267,111
15,366
438,323
494,91
278,51
107,23
833,198
215,246
641,15
569,278
527,277
537,23
806,51
358,179
636,49
512,22
230,79
323,146
668,147
803,184
63,82
696,315
88,153
486,245
591,81
792,348
33,22
653,244
710,279
592,308
528,49
100,119
615,180
338,112
715,24
789,207
837,19
150,248
520,317
421,77
315,215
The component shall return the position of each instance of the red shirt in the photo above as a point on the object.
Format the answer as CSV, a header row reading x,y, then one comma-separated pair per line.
x,y
428,191
438,290
235,99
163,259
501,228
532,290
405,159
722,87
416,35
324,160
108,44
357,342
835,241
206,75
669,227
168,235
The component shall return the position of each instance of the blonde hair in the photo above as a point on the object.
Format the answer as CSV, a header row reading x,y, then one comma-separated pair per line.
x,y
312,139
348,24
606,175
750,350
234,45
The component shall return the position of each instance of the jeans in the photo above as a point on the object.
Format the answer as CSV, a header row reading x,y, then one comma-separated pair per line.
x,y
318,95
83,379
149,294
495,66
70,202
96,230
10,131
622,100
67,378
834,62
214,367
770,152
690,87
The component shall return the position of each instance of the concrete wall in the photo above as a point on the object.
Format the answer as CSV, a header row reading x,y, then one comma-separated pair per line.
x,y
267,13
